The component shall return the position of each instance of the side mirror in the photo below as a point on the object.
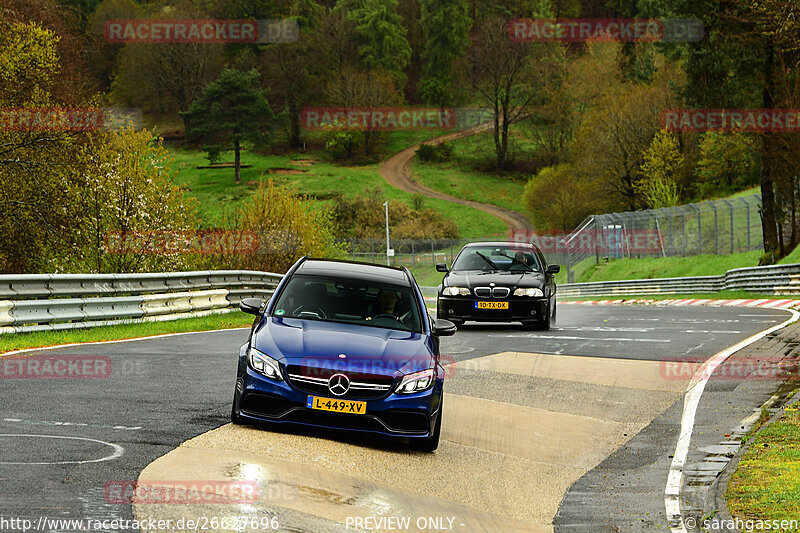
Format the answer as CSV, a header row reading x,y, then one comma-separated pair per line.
x,y
251,305
443,328
442,267
553,269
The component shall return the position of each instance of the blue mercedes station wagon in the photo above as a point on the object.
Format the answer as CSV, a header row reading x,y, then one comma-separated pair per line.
x,y
344,345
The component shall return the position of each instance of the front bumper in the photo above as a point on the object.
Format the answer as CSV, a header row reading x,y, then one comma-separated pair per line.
x,y
522,309
259,399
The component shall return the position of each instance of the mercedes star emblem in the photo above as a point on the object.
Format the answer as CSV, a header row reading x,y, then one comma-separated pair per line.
x,y
339,384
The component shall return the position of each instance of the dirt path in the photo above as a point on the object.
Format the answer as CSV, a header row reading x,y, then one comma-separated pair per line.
x,y
397,172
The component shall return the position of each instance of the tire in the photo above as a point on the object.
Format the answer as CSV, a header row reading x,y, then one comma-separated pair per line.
x,y
541,325
429,444
544,325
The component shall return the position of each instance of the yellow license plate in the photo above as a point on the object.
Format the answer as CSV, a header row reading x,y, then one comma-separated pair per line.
x,y
337,406
491,305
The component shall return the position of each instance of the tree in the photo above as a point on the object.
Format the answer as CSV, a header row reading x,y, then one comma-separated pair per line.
x,y
362,90
617,130
37,178
231,111
728,163
748,55
383,43
289,69
558,198
445,25
507,76
164,79
127,189
661,166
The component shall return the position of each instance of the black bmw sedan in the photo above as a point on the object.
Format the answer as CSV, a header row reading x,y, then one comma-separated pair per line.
x,y
498,282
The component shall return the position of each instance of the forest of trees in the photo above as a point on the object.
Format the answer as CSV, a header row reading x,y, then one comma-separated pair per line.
x,y
589,113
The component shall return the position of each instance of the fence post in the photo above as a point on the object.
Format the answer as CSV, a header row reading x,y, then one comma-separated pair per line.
x,y
747,204
716,229
683,231
353,243
413,257
669,214
433,253
372,249
730,207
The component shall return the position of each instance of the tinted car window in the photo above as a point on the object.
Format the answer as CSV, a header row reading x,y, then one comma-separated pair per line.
x,y
497,258
349,301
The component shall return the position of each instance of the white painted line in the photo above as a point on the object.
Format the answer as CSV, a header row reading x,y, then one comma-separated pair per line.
x,y
118,450
571,338
164,335
70,424
672,492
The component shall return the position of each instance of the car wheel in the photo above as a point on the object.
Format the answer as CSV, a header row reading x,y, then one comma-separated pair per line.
x,y
429,444
545,323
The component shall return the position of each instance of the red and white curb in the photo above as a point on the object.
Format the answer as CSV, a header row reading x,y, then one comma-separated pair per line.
x,y
767,303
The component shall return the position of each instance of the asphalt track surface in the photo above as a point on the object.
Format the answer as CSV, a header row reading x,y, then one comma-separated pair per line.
x,y
540,429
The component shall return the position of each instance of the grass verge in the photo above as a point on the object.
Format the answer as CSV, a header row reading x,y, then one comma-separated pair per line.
x,y
766,483
18,341
722,295
663,267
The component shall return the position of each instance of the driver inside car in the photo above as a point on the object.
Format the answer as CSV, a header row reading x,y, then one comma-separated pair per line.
x,y
387,300
387,307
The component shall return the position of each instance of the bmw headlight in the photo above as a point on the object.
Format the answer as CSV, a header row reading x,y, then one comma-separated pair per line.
x,y
456,291
534,293
416,382
264,364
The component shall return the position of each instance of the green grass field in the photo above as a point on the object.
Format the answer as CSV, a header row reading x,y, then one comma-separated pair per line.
x,y
18,341
220,196
766,483
459,178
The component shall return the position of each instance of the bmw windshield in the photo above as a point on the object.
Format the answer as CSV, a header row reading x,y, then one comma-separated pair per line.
x,y
497,259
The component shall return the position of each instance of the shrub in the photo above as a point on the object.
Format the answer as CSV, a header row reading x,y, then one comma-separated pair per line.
x,y
435,152
363,217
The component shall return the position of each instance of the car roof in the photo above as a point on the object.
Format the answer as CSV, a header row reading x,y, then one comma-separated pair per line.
x,y
502,243
354,270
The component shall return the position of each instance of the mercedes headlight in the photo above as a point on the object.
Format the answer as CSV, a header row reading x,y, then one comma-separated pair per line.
x,y
416,382
535,293
456,291
264,364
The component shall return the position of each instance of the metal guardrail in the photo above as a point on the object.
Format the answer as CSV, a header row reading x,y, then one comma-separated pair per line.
x,y
783,280
47,302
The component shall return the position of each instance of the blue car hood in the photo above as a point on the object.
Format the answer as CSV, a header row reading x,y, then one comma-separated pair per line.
x,y
300,341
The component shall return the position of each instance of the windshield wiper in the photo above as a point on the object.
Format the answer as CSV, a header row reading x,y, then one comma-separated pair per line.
x,y
487,260
514,259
